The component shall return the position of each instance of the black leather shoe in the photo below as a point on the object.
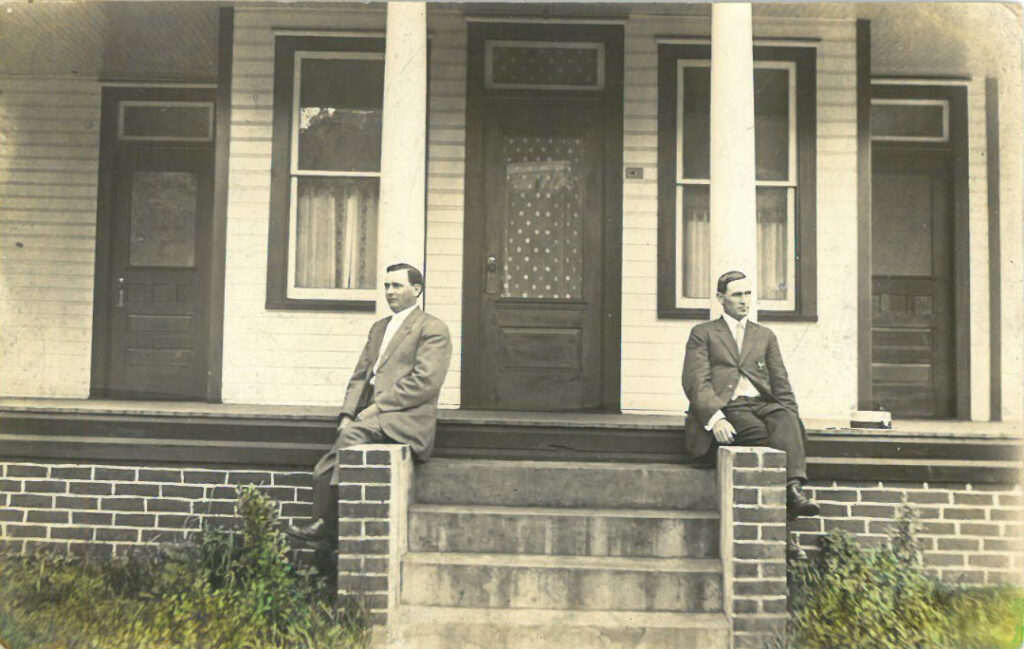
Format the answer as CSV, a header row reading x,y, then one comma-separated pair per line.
x,y
798,504
793,550
314,532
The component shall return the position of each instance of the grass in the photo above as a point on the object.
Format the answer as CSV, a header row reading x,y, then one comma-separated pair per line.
x,y
227,588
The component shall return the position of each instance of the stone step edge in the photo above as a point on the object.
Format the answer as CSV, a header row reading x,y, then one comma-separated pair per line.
x,y
504,510
526,617
564,562
565,464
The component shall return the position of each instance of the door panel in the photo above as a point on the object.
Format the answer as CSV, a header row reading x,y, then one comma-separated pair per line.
x,y
912,283
159,276
540,313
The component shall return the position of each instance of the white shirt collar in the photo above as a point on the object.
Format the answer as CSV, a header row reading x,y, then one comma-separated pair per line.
x,y
398,318
733,322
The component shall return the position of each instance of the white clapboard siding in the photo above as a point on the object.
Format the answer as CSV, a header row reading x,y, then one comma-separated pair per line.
x,y
302,357
49,152
822,356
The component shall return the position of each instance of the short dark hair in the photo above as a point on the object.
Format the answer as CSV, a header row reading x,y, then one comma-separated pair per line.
x,y
726,278
415,276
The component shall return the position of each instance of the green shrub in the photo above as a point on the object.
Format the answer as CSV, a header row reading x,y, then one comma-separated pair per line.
x,y
231,587
857,597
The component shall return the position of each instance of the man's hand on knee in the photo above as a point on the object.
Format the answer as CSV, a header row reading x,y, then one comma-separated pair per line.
x,y
723,431
370,411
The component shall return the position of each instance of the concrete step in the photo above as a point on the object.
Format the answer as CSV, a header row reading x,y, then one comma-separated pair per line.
x,y
562,583
542,530
565,484
428,627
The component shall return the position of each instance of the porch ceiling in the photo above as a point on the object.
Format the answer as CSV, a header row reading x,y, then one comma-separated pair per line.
x,y
908,38
110,40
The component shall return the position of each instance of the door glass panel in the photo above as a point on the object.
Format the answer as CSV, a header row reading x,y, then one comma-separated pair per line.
x,y
163,218
569,66
901,225
909,120
543,256
154,120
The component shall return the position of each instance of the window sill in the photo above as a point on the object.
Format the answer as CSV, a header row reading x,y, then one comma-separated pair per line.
x,y
292,304
763,316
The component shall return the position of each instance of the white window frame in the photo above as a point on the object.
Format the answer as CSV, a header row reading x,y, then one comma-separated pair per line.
x,y
571,45
681,182
127,103
942,103
297,292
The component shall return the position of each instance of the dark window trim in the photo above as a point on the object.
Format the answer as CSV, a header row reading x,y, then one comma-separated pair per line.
x,y
280,186
806,194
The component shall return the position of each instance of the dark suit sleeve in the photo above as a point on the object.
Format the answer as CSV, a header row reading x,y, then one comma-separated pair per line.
x,y
704,402
423,383
360,375
780,387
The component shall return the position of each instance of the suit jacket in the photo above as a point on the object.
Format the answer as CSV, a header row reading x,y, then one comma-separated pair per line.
x,y
713,366
408,380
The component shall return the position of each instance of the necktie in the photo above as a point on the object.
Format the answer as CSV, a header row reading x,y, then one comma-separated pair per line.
x,y
739,337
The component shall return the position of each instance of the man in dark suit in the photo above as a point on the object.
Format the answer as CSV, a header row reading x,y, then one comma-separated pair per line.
x,y
392,395
739,391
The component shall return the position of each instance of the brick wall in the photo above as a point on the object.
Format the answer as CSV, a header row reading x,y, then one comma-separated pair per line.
x,y
111,508
969,532
373,495
752,508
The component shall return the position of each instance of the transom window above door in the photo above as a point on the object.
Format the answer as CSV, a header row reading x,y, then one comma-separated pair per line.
x,y
784,179
328,109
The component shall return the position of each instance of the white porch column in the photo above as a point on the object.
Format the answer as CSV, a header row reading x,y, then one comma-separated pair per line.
x,y
733,202
401,231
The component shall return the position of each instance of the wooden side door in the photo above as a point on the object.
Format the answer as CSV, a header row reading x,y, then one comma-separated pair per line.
x,y
540,311
912,368
159,271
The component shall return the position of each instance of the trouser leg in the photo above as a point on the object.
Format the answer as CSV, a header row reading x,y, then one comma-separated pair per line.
x,y
785,434
771,425
325,493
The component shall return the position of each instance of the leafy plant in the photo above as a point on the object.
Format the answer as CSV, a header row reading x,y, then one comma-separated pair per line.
x,y
232,586
857,597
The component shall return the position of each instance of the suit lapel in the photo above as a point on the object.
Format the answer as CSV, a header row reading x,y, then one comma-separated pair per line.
x,y
402,332
726,335
749,332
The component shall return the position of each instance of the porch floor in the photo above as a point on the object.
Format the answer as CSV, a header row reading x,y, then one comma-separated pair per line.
x,y
633,420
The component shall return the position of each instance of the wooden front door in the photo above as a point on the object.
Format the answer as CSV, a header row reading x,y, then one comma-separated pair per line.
x,y
912,368
542,269
159,198
541,306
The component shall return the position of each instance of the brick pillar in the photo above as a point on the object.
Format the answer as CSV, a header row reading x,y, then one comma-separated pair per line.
x,y
373,495
752,504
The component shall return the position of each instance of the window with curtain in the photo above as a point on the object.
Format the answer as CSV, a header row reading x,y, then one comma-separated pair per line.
x,y
335,172
774,152
784,180
328,107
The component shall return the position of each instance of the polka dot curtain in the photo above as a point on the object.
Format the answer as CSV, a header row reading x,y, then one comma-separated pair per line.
x,y
543,256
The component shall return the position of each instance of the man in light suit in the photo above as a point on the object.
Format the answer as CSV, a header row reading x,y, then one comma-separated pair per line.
x,y
392,395
739,392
